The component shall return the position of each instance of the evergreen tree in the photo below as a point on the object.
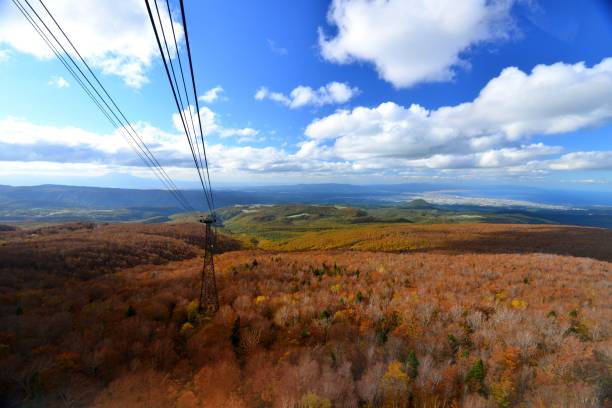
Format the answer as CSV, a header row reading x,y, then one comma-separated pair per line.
x,y
412,365
236,340
130,311
475,377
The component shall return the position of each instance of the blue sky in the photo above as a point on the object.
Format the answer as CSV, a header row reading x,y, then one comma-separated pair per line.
x,y
323,91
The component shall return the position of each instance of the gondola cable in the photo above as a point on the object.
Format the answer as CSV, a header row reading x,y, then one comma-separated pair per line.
x,y
145,154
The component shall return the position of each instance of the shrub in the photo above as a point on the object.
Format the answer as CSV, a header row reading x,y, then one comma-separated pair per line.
x,y
68,361
130,311
412,365
325,314
386,325
502,392
193,311
580,330
604,390
236,340
475,377
312,400
395,384
454,343
186,329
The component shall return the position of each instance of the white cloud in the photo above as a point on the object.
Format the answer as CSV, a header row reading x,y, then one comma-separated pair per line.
x,y
597,160
332,93
252,139
263,93
208,119
489,136
19,132
243,132
210,124
29,149
276,49
59,82
113,35
26,141
509,110
589,181
551,99
211,95
10,170
412,41
496,158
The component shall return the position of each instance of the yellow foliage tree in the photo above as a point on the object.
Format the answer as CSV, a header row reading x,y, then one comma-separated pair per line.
x,y
312,400
395,385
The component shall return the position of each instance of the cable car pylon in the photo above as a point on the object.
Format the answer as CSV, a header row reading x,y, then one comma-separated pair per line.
x,y
209,299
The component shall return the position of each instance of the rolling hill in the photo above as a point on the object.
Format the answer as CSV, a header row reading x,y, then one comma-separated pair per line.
x,y
419,203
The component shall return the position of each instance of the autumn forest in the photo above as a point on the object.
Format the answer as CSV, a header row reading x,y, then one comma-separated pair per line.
x,y
107,316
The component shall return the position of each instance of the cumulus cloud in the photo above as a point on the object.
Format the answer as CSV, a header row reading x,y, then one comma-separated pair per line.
x,y
19,132
496,158
59,82
491,135
32,142
211,95
210,123
208,119
332,93
510,109
10,170
243,132
263,93
29,149
125,48
412,41
596,160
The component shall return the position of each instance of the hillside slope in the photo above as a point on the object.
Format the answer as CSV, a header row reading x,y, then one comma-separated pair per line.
x,y
84,249
512,325
460,238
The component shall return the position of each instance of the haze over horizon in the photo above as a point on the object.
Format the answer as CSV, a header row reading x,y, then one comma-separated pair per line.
x,y
483,92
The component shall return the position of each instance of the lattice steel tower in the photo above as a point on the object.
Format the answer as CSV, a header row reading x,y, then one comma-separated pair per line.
x,y
209,300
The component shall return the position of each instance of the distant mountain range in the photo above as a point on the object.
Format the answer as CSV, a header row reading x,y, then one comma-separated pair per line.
x,y
59,202
58,196
54,196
